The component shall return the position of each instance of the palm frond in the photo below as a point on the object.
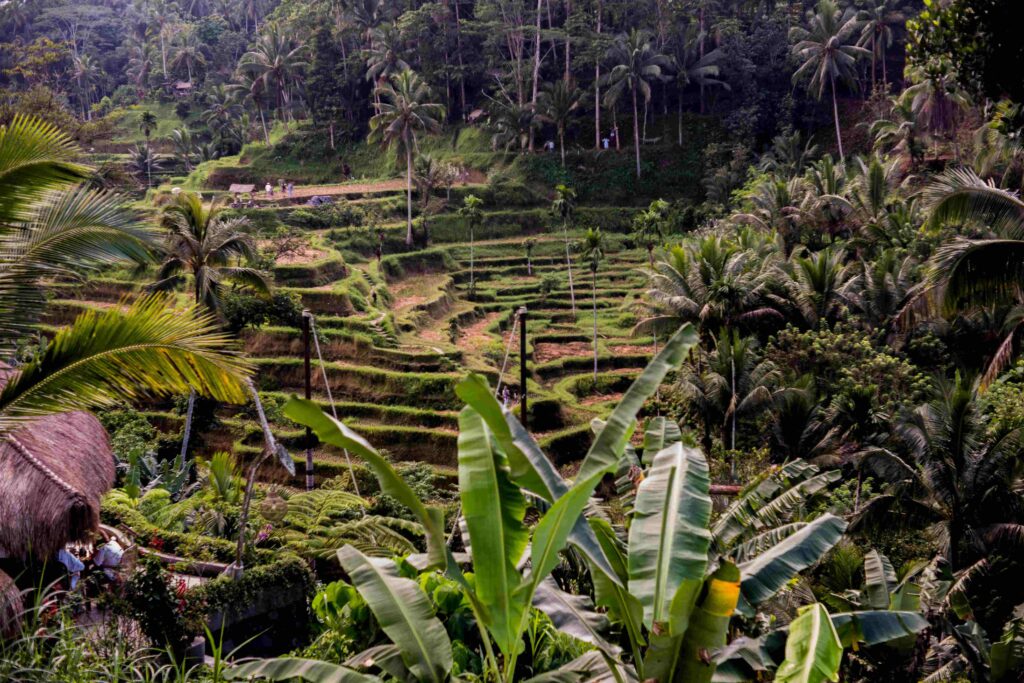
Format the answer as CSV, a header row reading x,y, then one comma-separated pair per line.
x,y
122,354
960,196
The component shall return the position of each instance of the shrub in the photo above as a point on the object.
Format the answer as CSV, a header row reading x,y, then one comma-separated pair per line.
x,y
165,613
245,310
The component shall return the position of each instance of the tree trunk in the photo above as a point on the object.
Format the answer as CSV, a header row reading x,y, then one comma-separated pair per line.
x,y
636,132
462,68
593,296
680,118
568,42
561,144
163,53
472,276
331,128
835,114
597,88
536,69
263,122
568,263
408,192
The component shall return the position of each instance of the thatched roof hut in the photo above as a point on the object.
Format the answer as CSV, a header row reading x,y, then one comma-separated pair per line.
x,y
53,473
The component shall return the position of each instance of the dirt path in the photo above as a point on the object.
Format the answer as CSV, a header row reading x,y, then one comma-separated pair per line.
x,y
343,189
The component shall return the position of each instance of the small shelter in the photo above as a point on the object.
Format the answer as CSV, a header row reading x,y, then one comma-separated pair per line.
x,y
182,88
53,473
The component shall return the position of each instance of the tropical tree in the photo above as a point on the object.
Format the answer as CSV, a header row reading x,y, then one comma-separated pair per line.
x,y
564,206
736,383
876,35
556,105
184,146
383,61
471,211
279,62
142,162
713,283
592,249
636,64
162,14
900,131
203,243
147,124
827,53
49,229
936,99
513,123
405,108
188,54
529,244
819,286
85,72
968,274
252,89
649,227
692,65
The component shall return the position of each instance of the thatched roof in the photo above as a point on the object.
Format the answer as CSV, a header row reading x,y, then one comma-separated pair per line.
x,y
53,472
10,605
241,188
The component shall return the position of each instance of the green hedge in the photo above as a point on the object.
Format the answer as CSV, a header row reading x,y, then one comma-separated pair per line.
x,y
287,576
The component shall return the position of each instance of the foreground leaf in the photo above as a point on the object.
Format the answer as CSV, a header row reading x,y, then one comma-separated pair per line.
x,y
294,669
813,650
404,613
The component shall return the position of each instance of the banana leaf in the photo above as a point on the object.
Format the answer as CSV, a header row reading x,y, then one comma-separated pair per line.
x,y
623,607
387,658
709,625
659,435
553,529
335,433
528,466
877,627
493,508
573,614
605,452
879,579
767,573
404,613
813,649
294,669
669,538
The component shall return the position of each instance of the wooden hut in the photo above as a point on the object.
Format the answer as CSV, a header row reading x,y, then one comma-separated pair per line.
x,y
53,472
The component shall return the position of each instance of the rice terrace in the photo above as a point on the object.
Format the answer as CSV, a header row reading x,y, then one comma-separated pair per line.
x,y
511,340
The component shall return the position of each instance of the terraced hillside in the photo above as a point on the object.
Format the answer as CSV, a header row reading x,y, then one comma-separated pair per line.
x,y
397,334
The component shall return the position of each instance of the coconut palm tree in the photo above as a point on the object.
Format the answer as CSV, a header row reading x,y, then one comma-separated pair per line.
x,y
162,14
405,109
279,62
649,227
204,244
592,249
222,111
51,229
383,60
937,99
249,88
828,53
736,383
556,105
85,72
140,64
693,66
901,132
876,35
470,210
512,123
713,283
636,64
968,274
529,244
184,146
188,54
142,162
564,206
819,286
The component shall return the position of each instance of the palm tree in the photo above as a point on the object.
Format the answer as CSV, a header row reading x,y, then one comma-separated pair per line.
x,y
184,146
936,98
636,64
713,283
139,65
649,227
249,87
382,58
967,274
49,229
203,243
162,13
85,71
564,206
694,66
189,54
470,210
876,35
279,63
222,110
147,123
900,132
529,244
592,249
405,108
819,286
513,124
142,162
827,53
556,105
736,383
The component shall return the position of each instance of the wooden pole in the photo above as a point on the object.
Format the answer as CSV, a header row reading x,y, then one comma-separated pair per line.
x,y
308,374
522,365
